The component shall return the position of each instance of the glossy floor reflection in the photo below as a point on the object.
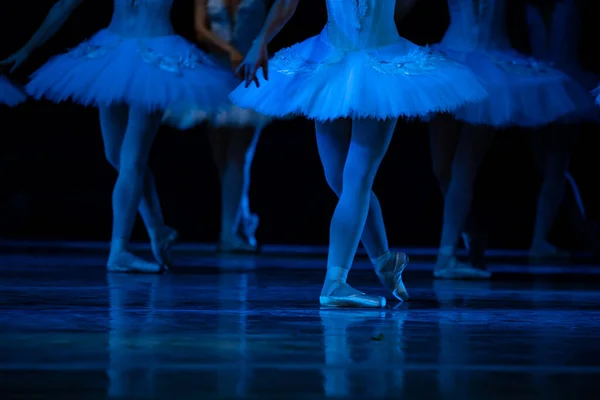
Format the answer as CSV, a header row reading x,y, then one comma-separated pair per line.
x,y
77,333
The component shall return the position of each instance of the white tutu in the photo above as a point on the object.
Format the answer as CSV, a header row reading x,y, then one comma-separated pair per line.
x,y
523,91
153,73
324,82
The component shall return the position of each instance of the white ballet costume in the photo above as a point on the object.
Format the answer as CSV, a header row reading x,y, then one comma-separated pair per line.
x,y
355,80
10,93
559,47
239,31
523,91
132,71
359,67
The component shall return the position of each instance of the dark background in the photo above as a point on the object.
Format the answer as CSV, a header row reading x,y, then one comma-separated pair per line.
x,y
57,185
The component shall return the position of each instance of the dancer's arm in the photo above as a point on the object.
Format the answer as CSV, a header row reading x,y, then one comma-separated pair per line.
x,y
281,12
403,7
205,35
55,19
258,56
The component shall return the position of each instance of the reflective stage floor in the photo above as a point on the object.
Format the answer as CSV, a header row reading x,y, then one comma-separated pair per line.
x,y
250,327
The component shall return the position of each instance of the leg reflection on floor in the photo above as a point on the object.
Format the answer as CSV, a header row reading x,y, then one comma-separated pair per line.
x,y
262,335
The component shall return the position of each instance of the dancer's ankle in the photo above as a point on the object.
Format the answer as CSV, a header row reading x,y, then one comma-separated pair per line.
x,y
118,246
337,274
446,251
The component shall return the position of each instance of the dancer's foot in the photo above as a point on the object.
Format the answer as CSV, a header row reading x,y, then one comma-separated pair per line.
x,y
237,245
162,243
129,263
340,294
248,227
475,245
546,251
390,271
448,267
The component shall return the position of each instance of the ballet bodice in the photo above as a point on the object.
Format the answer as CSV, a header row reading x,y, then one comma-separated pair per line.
x,y
477,25
142,18
361,24
242,28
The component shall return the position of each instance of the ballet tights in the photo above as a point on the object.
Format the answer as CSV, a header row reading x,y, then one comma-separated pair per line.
x,y
351,152
457,156
233,152
553,148
129,133
113,123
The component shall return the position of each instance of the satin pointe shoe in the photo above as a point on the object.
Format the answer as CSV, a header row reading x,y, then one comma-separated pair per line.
x,y
390,275
163,244
340,294
248,227
450,268
129,263
237,246
548,252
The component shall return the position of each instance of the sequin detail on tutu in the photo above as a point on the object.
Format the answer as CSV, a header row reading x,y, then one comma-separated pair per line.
x,y
175,64
418,62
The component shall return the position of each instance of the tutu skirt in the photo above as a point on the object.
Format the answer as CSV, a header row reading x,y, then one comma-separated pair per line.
x,y
586,110
10,94
323,82
522,91
186,115
150,72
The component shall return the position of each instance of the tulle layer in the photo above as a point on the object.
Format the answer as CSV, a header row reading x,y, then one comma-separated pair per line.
x,y
522,91
146,72
323,82
10,94
188,115
586,112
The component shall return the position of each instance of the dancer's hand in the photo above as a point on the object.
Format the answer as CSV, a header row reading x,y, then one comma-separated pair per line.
x,y
13,62
236,58
257,57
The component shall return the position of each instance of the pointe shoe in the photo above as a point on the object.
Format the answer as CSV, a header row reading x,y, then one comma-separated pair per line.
x,y
237,246
129,263
453,269
343,295
546,251
390,275
163,244
248,227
